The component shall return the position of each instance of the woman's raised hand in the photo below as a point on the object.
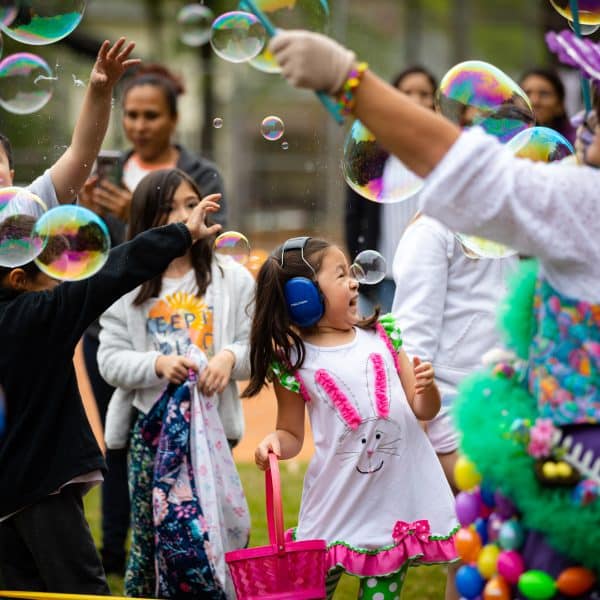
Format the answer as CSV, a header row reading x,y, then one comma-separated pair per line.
x,y
196,222
312,60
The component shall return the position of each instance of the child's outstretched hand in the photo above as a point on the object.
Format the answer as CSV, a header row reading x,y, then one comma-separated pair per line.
x,y
196,222
424,375
261,454
111,63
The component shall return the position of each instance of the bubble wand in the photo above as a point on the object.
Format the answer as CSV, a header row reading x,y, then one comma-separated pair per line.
x,y
327,102
585,87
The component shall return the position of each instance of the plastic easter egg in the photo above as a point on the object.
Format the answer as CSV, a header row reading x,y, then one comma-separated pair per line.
x,y
467,508
487,561
496,589
537,585
511,536
494,524
465,474
510,565
469,582
467,544
481,526
575,581
487,495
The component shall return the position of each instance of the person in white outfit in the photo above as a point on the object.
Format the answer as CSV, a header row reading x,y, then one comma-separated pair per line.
x,y
446,302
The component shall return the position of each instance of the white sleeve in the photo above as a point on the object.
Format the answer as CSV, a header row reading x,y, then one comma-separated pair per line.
x,y
545,210
421,276
43,187
119,364
244,306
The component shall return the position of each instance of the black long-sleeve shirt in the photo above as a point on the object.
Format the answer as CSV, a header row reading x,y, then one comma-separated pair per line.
x,y
48,440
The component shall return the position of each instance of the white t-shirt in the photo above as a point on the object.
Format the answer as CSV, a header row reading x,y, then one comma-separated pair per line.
x,y
446,302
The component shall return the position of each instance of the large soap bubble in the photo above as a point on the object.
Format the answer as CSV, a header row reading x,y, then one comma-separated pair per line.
x,y
237,36
40,22
233,244
272,128
540,144
290,14
26,83
195,22
19,211
477,93
78,242
589,10
365,166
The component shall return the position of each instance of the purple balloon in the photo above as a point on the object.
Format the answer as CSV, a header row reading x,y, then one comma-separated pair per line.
x,y
468,506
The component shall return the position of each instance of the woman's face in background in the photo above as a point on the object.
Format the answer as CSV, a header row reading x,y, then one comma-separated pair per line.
x,y
418,88
147,121
546,102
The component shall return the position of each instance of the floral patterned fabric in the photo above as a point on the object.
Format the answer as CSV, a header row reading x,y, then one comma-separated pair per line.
x,y
565,358
184,564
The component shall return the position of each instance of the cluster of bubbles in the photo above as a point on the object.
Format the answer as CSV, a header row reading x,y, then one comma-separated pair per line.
x,y
589,14
68,242
26,80
234,245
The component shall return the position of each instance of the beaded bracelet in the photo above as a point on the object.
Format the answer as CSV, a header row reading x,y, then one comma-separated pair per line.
x,y
346,98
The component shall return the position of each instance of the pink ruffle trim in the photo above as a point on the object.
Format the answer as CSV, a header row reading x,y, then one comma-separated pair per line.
x,y
390,560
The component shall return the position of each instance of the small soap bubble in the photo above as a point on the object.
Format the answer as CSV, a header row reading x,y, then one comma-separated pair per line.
x,y
237,36
372,172
284,145
589,10
234,245
217,122
19,211
195,22
540,144
26,83
78,243
272,128
477,93
368,267
290,14
40,22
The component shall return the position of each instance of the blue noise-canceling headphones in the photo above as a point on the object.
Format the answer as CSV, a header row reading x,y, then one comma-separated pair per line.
x,y
302,295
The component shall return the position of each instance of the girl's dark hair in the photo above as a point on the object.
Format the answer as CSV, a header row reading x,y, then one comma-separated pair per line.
x,y
551,76
158,76
7,150
150,207
273,336
415,70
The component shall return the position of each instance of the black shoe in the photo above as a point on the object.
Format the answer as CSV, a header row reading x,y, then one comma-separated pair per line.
x,y
113,562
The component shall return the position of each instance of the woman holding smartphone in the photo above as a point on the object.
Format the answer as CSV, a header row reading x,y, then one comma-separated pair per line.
x,y
150,117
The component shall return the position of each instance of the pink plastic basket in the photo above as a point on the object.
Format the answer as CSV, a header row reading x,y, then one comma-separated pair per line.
x,y
284,569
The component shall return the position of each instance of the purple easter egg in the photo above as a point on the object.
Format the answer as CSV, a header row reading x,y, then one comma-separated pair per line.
x,y
468,506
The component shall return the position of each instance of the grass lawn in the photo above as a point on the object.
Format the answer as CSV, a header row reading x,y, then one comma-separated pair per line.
x,y
423,583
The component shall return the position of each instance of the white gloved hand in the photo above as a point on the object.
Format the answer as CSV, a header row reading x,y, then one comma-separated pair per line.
x,y
311,60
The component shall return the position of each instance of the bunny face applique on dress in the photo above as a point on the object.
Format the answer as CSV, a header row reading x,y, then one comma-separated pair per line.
x,y
367,442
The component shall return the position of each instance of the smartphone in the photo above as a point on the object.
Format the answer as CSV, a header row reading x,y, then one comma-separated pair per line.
x,y
109,166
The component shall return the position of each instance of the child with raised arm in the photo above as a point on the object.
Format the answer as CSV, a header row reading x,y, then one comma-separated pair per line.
x,y
374,489
60,183
48,455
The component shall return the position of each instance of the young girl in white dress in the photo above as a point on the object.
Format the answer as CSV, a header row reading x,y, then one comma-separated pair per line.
x,y
374,489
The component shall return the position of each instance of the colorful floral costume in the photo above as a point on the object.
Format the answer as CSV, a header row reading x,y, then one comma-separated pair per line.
x,y
374,489
530,425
